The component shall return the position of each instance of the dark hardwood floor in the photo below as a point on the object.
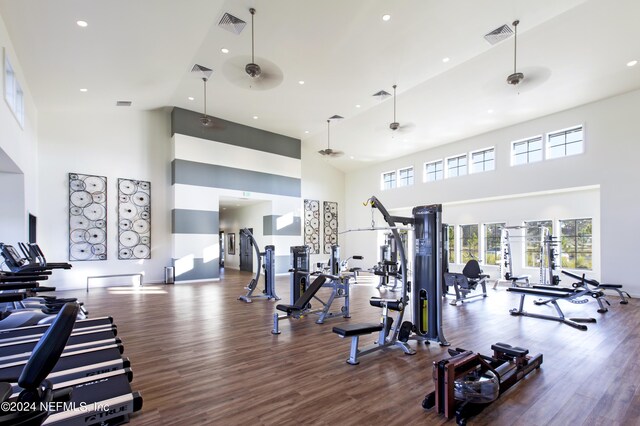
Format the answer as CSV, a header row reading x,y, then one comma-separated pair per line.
x,y
200,356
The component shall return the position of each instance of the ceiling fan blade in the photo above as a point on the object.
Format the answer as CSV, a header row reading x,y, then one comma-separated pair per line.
x,y
234,71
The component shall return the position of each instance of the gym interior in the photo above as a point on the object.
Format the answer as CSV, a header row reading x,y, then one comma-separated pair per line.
x,y
286,212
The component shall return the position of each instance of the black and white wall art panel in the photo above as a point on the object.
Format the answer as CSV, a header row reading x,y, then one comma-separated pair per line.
x,y
87,217
330,225
312,225
134,219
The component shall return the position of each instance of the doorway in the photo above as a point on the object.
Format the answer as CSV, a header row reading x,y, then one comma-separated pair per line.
x,y
246,252
222,248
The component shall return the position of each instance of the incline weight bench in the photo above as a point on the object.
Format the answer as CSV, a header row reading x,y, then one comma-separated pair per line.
x,y
583,281
302,306
553,296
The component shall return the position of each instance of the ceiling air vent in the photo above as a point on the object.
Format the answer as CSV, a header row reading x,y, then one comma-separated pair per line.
x,y
383,94
499,34
231,23
123,103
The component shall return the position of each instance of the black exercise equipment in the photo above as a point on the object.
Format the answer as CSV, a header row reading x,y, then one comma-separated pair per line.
x,y
427,289
269,291
339,285
466,383
552,296
299,277
584,282
466,282
42,361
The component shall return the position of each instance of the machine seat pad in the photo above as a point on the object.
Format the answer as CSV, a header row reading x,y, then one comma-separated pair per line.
x,y
509,350
540,292
519,277
304,298
347,330
606,286
288,308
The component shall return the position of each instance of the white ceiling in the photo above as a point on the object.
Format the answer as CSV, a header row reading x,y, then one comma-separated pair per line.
x,y
571,51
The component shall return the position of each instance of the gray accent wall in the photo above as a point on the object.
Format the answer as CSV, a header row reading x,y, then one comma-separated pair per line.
x,y
214,176
187,123
194,222
200,270
270,226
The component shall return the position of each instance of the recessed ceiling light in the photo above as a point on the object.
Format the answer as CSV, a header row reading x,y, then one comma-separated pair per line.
x,y
386,17
83,90
306,131
352,157
82,24
301,82
445,60
224,50
489,111
255,117
632,63
358,106
191,98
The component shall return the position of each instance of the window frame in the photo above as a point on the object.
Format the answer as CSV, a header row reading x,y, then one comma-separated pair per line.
x,y
565,130
382,180
446,165
477,151
425,173
14,95
498,238
398,178
561,250
461,246
529,139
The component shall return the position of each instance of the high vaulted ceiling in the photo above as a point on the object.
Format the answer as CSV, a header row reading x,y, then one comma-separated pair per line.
x,y
571,52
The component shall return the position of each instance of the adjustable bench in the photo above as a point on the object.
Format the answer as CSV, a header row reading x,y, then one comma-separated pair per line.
x,y
553,296
615,287
355,331
303,307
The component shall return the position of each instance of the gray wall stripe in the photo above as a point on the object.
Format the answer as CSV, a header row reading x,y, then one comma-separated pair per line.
x,y
200,270
187,122
270,226
282,264
213,176
194,222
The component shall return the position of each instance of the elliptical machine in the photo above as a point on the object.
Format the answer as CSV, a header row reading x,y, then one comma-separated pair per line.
x,y
269,266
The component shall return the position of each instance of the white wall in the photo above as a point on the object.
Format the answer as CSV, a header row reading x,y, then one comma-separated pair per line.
x,y
122,144
321,181
612,146
18,154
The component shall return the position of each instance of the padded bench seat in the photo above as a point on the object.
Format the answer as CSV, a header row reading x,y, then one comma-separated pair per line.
x,y
289,309
348,330
510,350
540,292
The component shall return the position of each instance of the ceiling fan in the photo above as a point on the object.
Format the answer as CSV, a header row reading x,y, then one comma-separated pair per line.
x,y
261,77
330,152
252,68
395,125
205,73
516,77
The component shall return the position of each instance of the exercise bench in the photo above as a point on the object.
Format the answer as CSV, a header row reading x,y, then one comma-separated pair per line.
x,y
553,296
